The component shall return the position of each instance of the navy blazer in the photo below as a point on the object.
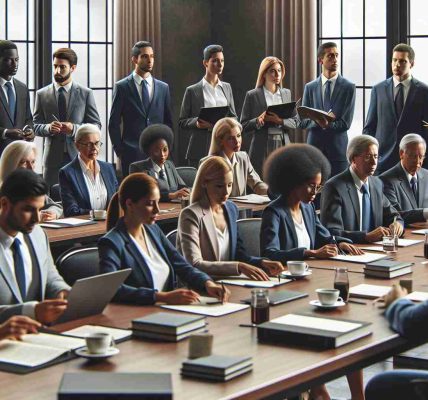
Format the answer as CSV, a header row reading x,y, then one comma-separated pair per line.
x,y
332,141
74,192
118,251
383,124
127,109
278,238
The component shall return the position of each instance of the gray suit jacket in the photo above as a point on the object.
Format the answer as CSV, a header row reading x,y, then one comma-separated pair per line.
x,y
340,208
11,302
81,110
52,206
397,189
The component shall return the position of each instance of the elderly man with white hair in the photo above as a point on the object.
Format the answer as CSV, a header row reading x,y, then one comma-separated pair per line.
x,y
86,183
353,204
406,184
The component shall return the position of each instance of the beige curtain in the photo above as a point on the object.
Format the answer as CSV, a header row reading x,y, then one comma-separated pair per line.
x,y
291,36
136,20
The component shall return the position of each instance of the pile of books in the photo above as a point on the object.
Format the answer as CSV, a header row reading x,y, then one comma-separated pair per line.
x,y
387,269
167,326
216,367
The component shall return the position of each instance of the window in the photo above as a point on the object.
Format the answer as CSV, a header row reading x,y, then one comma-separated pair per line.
x,y
418,37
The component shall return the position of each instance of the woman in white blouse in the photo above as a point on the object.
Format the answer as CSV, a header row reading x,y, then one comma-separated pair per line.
x,y
268,129
208,235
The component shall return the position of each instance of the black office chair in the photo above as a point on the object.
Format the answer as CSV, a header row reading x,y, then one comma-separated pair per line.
x,y
172,237
188,174
249,232
78,263
55,193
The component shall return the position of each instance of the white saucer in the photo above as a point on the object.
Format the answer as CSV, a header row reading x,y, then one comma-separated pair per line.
x,y
83,352
98,219
317,303
287,274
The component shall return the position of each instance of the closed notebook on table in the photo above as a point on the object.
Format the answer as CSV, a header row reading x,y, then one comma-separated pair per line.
x,y
217,378
166,337
388,265
387,274
279,297
312,331
111,385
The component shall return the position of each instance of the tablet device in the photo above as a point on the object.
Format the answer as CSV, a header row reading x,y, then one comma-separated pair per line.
x,y
281,296
89,296
213,114
284,110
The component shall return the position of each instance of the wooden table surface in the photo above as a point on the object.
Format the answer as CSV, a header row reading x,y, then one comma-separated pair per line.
x,y
278,369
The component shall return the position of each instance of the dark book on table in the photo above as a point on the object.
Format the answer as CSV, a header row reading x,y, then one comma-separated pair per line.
x,y
217,364
90,385
168,323
387,274
166,337
414,358
213,114
313,331
279,297
387,265
217,378
284,110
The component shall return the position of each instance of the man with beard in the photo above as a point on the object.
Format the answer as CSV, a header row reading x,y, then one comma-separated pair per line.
x,y
59,111
29,281
15,112
139,100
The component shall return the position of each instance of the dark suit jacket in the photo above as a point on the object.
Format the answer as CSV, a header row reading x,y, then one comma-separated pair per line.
x,y
127,109
397,189
332,141
340,208
278,238
382,122
22,112
174,180
74,192
118,251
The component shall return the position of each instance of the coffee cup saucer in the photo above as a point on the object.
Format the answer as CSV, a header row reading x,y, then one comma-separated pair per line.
x,y
84,352
318,304
288,274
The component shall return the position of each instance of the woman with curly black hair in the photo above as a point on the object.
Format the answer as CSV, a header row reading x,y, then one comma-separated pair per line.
x,y
156,140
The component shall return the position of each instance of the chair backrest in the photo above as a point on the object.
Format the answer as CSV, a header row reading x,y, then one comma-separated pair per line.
x,y
77,263
188,174
55,193
249,232
172,237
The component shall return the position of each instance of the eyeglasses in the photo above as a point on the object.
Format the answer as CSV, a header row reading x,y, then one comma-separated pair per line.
x,y
89,145
313,188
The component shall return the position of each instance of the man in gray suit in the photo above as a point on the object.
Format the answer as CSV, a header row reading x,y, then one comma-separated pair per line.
x,y
59,111
16,121
353,204
28,276
406,184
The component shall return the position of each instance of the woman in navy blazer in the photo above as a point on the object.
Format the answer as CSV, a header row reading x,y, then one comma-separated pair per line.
x,y
199,226
77,198
136,242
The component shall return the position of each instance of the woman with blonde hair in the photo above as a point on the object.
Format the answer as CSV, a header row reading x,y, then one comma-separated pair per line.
x,y
23,154
268,129
208,234
226,140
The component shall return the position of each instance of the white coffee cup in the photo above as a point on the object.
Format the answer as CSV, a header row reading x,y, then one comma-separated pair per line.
x,y
98,214
328,297
99,342
297,267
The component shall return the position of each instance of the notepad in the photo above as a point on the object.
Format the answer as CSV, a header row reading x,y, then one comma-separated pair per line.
x,y
420,231
86,330
371,248
216,310
417,296
405,242
252,199
67,223
255,284
366,291
361,259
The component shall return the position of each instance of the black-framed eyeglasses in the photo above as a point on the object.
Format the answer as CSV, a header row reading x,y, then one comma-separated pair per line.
x,y
313,188
89,145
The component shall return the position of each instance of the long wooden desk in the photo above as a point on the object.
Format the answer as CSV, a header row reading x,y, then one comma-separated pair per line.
x,y
279,371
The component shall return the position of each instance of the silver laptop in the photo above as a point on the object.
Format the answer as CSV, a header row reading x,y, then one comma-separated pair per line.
x,y
89,296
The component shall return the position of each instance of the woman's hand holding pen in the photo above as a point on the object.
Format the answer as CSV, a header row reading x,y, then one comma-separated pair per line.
x,y
350,249
396,228
273,268
221,292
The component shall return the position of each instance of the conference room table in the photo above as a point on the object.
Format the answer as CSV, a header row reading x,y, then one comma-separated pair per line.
x,y
279,370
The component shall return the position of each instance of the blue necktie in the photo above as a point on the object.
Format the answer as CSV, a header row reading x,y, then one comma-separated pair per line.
x,y
414,186
367,209
19,267
11,99
145,96
62,105
327,96
399,100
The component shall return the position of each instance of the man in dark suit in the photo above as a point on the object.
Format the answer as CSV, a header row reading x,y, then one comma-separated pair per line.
x,y
139,100
398,106
406,184
60,109
15,112
353,204
335,95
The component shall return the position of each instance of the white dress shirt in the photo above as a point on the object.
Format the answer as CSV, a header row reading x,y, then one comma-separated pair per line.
x,y
3,86
213,95
158,169
138,80
303,239
358,184
332,85
409,177
96,186
223,243
406,86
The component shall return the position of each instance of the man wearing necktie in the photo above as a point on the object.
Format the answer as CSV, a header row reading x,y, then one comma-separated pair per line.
x,y
406,184
398,106
16,121
353,203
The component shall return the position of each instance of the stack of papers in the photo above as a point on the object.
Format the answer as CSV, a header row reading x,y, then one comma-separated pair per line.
x,y
215,310
362,259
67,223
366,291
252,199
255,284
405,242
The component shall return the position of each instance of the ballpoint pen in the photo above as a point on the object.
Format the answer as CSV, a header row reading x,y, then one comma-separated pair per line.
x,y
55,118
339,250
224,292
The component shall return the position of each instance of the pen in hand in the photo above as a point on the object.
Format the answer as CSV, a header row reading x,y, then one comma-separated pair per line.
x,y
55,118
339,250
223,294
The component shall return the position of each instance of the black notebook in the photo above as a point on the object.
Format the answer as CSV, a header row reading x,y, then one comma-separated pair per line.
x,y
313,331
387,265
90,385
213,114
284,110
217,364
279,297
414,358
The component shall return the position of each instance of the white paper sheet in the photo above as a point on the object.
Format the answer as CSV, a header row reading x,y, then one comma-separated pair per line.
x,y
369,291
255,284
405,242
85,330
68,222
372,248
361,259
57,341
420,231
252,198
417,296
216,310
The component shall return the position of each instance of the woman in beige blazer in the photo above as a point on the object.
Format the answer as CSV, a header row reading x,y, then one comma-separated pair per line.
x,y
207,231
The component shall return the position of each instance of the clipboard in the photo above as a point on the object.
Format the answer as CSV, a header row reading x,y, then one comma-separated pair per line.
x,y
213,114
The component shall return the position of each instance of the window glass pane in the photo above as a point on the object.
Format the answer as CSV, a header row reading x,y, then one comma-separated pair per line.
x,y
330,18
358,120
352,67
97,65
375,61
79,20
97,21
2,19
110,64
420,70
17,20
60,21
418,17
22,67
31,19
376,17
110,20
80,74
353,18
